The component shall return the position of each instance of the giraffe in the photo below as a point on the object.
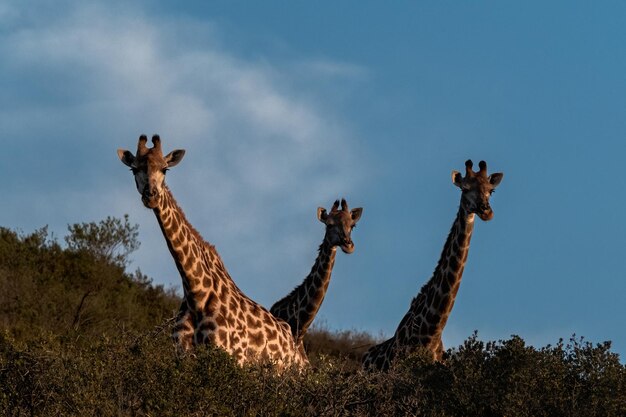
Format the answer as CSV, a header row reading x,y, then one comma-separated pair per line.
x,y
300,307
214,310
423,324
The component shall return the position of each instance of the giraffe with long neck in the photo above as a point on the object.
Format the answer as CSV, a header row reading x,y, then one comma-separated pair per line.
x,y
214,310
300,307
423,324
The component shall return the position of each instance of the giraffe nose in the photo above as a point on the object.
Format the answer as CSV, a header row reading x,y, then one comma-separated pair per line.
x,y
347,245
485,212
149,192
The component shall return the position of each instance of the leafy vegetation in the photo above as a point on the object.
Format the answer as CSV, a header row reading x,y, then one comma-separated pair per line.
x,y
82,337
80,291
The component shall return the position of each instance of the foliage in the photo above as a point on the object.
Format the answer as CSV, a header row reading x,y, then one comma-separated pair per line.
x,y
347,345
140,374
108,353
80,291
110,240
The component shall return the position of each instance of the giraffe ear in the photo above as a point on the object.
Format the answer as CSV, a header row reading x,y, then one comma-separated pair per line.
x,y
126,157
494,179
321,214
356,213
457,178
174,157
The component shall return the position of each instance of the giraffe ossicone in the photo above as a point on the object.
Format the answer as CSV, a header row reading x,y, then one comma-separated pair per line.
x,y
301,305
213,311
423,324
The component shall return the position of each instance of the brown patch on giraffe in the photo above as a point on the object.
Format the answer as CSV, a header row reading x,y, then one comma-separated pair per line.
x,y
431,292
220,274
225,292
253,322
222,335
433,317
217,285
267,319
257,338
188,264
461,240
436,299
233,304
241,316
454,264
199,296
197,270
210,304
220,320
317,281
271,333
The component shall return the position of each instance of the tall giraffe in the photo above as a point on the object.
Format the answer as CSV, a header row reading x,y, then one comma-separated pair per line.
x,y
300,307
423,324
214,310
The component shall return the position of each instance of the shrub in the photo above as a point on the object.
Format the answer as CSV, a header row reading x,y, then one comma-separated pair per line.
x,y
81,337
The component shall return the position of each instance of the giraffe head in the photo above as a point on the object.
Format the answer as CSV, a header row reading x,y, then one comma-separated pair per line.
x,y
149,167
339,224
476,188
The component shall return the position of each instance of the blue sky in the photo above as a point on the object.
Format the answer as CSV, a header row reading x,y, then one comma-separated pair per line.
x,y
285,106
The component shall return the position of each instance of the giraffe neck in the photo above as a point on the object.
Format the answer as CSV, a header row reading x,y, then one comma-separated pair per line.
x,y
300,307
200,267
429,311
215,311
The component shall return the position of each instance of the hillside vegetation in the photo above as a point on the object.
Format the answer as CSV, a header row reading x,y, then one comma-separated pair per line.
x,y
82,337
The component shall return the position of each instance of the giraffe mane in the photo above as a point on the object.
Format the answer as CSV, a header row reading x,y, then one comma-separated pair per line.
x,y
192,229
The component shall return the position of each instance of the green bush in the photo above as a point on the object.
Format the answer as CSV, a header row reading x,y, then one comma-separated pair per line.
x,y
81,337
80,291
141,374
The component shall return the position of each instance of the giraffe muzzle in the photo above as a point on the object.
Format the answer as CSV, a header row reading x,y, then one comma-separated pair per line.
x,y
347,246
486,215
149,197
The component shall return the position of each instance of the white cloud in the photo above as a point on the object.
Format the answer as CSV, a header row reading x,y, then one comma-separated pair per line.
x,y
260,157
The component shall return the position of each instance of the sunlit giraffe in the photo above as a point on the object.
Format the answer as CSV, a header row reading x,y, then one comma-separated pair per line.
x,y
214,310
427,316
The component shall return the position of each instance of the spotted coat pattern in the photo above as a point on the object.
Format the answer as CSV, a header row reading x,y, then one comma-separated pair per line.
x,y
214,310
423,324
300,307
